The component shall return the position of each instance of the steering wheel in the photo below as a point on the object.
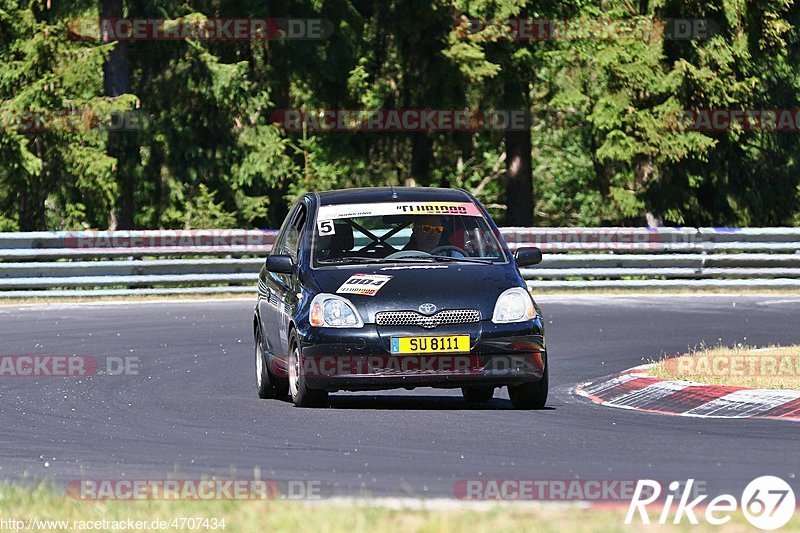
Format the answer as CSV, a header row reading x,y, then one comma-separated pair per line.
x,y
449,248
401,254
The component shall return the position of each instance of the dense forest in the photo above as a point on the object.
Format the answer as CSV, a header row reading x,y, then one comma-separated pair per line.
x,y
98,131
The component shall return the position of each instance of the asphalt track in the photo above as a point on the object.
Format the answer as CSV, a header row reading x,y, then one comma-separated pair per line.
x,y
192,410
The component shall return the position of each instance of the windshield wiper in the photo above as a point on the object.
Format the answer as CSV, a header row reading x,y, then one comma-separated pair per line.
x,y
479,260
360,259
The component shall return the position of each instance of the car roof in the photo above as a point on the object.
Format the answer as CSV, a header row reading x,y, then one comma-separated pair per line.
x,y
392,194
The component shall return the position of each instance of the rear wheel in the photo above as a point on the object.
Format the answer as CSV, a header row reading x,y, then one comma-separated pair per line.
x,y
530,395
302,396
477,394
268,385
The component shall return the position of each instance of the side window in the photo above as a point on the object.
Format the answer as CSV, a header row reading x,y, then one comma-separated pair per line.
x,y
294,233
280,242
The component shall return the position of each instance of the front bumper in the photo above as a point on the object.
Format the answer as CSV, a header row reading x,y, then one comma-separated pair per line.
x,y
360,359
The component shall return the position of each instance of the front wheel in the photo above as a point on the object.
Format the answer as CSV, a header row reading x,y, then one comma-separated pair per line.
x,y
530,395
268,385
302,396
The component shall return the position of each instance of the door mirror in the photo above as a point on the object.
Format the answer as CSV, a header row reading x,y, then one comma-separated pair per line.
x,y
528,256
280,264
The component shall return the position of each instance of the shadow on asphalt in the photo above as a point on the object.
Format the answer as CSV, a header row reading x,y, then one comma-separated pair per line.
x,y
425,403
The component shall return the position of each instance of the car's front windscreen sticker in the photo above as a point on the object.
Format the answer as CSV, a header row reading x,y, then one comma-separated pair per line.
x,y
332,212
366,284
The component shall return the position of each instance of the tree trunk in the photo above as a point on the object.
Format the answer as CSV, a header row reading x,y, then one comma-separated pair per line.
x,y
644,174
519,177
32,197
117,81
421,158
277,75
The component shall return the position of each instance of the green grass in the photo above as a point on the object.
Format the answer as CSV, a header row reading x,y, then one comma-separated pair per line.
x,y
774,367
46,504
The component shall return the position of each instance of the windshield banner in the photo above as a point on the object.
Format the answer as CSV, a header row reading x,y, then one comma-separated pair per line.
x,y
332,212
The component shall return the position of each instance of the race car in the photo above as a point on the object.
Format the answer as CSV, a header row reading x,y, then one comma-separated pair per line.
x,y
396,287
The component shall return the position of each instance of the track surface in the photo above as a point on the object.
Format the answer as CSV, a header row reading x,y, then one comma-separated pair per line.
x,y
192,411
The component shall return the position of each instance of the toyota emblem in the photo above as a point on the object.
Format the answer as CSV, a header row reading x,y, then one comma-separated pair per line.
x,y
427,309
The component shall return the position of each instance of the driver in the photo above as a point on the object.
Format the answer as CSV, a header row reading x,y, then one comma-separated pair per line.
x,y
425,234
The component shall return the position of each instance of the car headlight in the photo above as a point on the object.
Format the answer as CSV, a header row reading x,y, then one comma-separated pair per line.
x,y
331,311
514,305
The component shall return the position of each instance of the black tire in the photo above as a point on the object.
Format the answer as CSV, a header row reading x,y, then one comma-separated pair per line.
x,y
530,395
301,395
268,385
477,394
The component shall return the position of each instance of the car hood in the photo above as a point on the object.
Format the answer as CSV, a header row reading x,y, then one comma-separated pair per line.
x,y
447,286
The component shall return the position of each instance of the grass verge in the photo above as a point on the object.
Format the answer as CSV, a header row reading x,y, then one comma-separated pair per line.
x,y
773,367
41,504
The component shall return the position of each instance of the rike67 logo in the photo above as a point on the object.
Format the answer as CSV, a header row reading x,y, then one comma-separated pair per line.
x,y
767,502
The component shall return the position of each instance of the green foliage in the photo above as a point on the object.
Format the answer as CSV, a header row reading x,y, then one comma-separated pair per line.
x,y
606,145
203,212
52,157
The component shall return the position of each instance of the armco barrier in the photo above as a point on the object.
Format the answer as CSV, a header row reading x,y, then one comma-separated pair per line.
x,y
92,263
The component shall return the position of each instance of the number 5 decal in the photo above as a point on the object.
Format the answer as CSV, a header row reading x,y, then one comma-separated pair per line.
x,y
326,227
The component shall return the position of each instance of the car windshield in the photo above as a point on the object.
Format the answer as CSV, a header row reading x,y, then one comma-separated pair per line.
x,y
411,231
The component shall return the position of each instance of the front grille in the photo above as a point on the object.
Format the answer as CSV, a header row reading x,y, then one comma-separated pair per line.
x,y
412,318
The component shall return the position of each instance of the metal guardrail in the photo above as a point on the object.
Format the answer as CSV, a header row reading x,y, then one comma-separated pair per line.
x,y
44,264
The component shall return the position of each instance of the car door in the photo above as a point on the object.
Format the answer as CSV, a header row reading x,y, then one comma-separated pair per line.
x,y
270,293
282,287
289,284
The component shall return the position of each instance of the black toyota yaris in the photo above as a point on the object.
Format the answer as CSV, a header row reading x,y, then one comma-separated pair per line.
x,y
382,288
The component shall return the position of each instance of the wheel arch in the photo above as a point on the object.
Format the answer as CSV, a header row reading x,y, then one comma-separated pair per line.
x,y
290,330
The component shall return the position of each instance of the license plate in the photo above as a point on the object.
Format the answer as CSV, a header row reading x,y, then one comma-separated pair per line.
x,y
443,344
